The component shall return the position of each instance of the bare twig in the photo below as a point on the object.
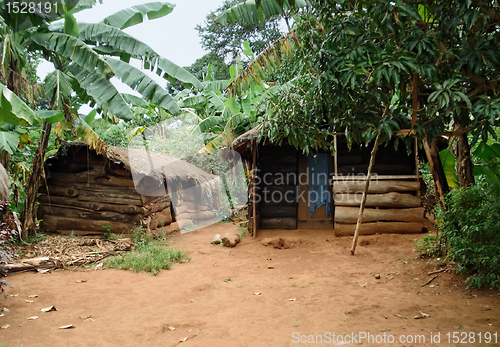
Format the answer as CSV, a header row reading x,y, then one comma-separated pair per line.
x,y
403,318
429,281
185,339
436,272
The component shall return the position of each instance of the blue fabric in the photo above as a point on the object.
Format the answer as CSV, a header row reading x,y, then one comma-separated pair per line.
x,y
319,194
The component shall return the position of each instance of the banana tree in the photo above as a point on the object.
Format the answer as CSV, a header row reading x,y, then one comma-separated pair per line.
x,y
83,67
253,11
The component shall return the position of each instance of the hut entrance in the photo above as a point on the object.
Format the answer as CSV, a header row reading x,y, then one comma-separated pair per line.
x,y
315,207
278,188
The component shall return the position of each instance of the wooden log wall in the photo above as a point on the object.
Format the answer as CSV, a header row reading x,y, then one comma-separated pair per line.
x,y
189,209
392,206
86,194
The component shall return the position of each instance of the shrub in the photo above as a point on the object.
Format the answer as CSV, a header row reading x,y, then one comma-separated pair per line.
x,y
470,229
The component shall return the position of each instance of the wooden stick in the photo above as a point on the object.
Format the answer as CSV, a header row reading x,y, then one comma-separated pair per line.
x,y
335,158
254,207
436,272
363,199
429,281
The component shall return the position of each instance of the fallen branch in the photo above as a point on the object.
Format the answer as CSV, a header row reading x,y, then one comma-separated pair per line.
x,y
436,272
429,281
33,264
46,263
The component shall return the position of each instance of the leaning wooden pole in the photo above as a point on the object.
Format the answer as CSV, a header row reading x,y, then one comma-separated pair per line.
x,y
365,191
254,176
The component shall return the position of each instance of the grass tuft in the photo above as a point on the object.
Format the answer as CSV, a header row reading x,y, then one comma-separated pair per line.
x,y
150,255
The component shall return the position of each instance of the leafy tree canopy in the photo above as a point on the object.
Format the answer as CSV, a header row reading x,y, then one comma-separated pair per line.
x,y
219,69
367,67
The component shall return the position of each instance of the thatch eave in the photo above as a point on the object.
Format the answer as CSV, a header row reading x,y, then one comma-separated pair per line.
x,y
162,168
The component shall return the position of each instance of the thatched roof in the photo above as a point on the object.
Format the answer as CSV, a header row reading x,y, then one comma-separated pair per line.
x,y
156,165
244,142
150,164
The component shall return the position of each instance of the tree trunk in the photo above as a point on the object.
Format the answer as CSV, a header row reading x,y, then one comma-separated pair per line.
x,y
464,166
349,215
437,171
37,176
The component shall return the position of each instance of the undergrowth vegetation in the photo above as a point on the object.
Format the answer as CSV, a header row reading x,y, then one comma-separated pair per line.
x,y
469,235
471,231
152,254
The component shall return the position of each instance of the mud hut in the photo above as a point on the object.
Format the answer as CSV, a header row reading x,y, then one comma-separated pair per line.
x,y
119,189
323,191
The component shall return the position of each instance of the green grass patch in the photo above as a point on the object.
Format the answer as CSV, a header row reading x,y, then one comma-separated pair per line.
x,y
151,255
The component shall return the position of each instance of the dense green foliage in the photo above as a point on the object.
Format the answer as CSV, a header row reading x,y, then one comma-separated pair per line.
x,y
470,232
368,67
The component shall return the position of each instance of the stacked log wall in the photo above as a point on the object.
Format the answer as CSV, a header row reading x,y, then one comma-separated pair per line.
x,y
190,210
392,205
86,194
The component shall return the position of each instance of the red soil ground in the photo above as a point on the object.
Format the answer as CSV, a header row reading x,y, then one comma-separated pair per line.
x,y
333,292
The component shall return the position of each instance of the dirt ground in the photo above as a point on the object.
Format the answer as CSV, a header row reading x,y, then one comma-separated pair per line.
x,y
253,295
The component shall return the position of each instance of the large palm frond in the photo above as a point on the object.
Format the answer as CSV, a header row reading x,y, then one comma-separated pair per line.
x,y
109,40
103,92
253,11
135,15
139,81
76,50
